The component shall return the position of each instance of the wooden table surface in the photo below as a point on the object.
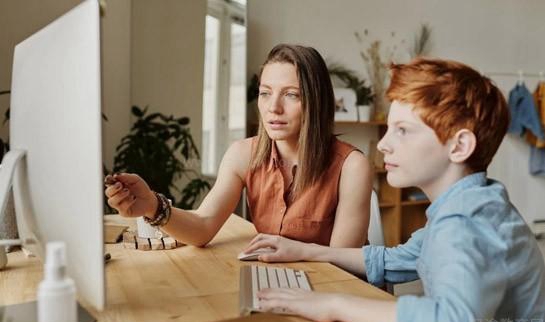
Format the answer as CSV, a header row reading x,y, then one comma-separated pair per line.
x,y
182,284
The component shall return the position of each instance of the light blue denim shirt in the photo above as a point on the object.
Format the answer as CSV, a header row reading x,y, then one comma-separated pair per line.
x,y
476,256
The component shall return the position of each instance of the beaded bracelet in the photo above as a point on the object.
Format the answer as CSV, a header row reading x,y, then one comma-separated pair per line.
x,y
162,214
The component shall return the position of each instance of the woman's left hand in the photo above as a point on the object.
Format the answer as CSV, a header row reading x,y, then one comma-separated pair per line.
x,y
311,305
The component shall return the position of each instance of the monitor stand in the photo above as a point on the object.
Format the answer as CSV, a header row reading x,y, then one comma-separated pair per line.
x,y
24,312
9,163
7,168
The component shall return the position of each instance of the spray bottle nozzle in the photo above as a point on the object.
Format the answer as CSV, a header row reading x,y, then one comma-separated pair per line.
x,y
55,261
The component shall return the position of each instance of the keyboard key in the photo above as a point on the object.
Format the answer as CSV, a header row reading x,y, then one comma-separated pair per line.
x,y
283,278
273,277
302,280
292,280
262,277
255,286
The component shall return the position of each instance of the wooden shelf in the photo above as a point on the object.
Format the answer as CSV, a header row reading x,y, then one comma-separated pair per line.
x,y
386,204
370,123
415,202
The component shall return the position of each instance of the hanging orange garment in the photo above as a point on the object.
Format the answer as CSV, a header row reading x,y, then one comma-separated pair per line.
x,y
539,97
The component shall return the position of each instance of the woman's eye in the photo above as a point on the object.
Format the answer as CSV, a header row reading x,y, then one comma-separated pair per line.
x,y
263,94
292,95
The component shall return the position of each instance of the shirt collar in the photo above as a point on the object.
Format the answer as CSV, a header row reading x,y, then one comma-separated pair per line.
x,y
273,162
472,180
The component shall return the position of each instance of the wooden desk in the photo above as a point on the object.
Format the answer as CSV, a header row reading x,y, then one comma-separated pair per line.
x,y
183,284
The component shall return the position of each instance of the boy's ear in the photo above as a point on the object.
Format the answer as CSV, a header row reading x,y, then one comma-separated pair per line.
x,y
462,145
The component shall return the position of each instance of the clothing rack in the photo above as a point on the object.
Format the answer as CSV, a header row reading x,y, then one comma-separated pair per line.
x,y
520,74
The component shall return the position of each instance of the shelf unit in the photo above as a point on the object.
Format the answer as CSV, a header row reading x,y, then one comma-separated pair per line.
x,y
400,215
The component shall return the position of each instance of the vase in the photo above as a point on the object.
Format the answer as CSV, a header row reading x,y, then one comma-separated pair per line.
x,y
364,112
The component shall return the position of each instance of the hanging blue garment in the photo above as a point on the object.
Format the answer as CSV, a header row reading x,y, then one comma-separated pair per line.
x,y
523,112
537,161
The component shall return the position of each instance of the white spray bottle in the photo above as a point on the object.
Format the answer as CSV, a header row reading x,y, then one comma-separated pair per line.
x,y
57,292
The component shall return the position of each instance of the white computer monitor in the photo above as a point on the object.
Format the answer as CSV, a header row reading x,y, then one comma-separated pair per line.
x,y
55,145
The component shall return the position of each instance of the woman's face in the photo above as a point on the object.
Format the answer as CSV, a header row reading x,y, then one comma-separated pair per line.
x,y
280,101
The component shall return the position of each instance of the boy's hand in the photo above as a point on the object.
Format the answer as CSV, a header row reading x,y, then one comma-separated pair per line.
x,y
285,250
130,195
311,305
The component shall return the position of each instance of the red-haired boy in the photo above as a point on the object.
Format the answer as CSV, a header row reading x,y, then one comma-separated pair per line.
x,y
476,257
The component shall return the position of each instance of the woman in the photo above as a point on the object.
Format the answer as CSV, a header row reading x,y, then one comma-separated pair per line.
x,y
301,181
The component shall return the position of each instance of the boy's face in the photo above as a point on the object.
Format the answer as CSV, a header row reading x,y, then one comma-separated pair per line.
x,y
413,155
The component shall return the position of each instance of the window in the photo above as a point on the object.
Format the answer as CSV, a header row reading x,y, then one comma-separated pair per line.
x,y
224,94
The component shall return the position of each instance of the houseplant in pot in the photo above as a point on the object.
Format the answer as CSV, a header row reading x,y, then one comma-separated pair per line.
x,y
161,150
364,98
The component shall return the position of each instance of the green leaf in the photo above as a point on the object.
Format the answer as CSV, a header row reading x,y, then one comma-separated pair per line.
x,y
183,120
136,111
351,80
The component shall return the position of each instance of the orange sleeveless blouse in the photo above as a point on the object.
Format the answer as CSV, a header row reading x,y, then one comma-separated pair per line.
x,y
311,216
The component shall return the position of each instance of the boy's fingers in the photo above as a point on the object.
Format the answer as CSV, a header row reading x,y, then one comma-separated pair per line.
x,y
277,293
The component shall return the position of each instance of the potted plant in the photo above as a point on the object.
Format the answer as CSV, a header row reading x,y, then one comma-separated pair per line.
x,y
364,98
161,150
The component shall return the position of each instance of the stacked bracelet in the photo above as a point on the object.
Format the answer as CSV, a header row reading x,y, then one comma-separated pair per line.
x,y
162,214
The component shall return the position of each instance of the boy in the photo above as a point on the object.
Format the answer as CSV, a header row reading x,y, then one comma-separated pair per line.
x,y
477,259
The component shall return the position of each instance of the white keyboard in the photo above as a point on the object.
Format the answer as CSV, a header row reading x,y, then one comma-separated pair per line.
x,y
254,278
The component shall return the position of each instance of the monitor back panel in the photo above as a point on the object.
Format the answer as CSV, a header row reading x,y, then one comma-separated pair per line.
x,y
56,118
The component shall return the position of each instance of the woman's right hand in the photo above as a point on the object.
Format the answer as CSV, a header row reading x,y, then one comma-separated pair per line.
x,y
285,249
131,196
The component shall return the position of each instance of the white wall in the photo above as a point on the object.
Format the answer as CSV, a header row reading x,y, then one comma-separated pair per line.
x,y
152,54
167,59
20,19
491,35
116,75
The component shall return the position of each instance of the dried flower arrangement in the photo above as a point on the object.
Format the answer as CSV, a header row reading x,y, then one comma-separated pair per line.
x,y
377,71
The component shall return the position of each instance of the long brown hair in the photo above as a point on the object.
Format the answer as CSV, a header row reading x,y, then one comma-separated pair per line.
x,y
318,104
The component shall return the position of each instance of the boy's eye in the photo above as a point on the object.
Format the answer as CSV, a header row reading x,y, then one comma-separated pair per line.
x,y
401,130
